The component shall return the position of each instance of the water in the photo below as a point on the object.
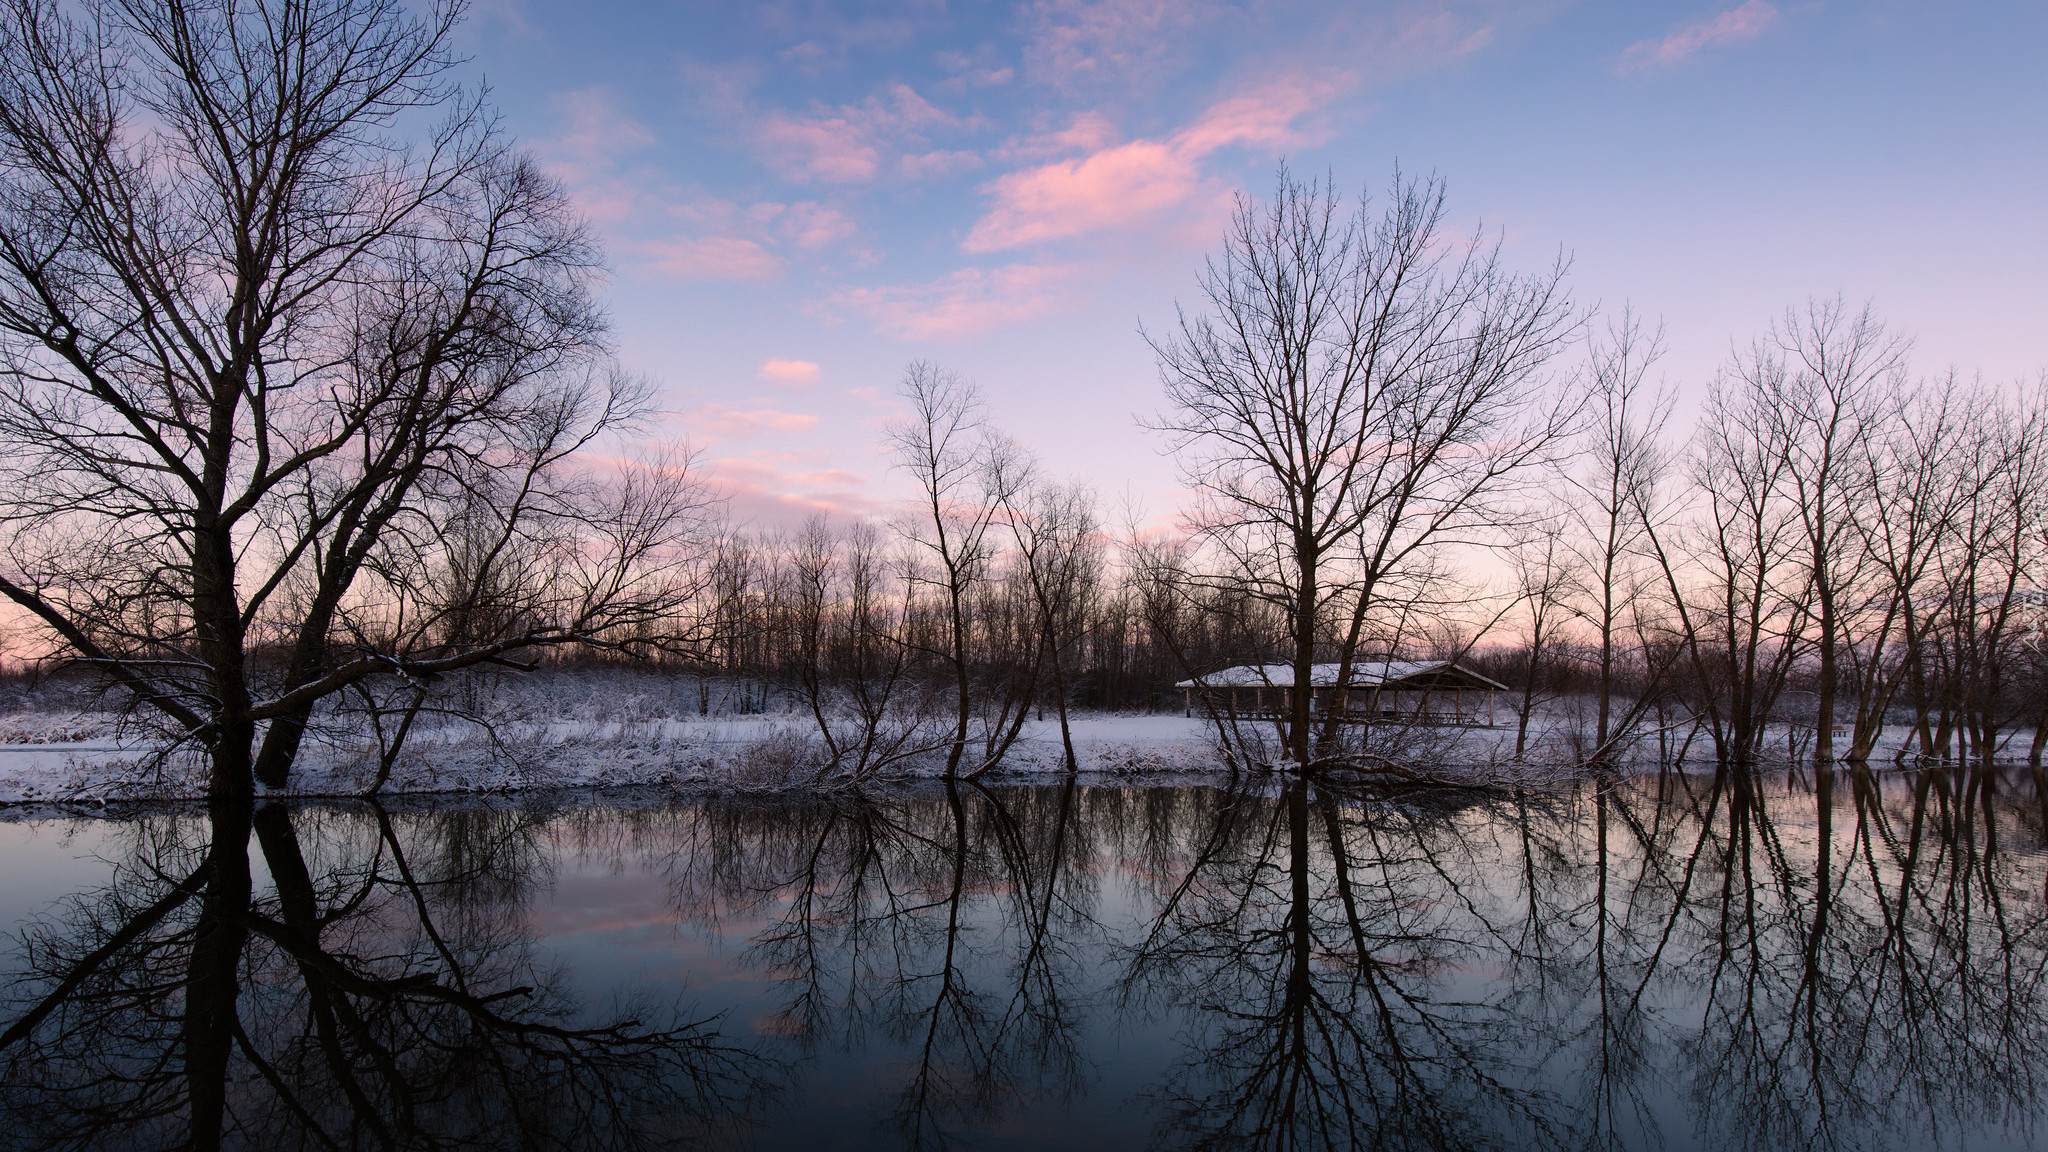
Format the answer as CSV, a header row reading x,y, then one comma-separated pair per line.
x,y
1731,961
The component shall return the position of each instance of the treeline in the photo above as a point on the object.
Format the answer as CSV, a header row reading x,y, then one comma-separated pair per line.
x,y
999,597
1840,554
1397,448
1840,548
1397,445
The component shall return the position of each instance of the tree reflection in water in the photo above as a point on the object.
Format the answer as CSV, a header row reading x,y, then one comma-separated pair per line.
x,y
960,927
377,992
1321,941
1735,960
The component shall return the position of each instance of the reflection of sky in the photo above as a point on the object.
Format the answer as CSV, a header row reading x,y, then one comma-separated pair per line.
x,y
44,860
801,195
1481,928
611,923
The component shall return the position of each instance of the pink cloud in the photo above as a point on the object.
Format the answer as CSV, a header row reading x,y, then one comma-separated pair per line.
x,y
788,371
818,148
598,128
1069,197
816,226
1089,131
1115,185
981,70
965,302
845,144
744,424
806,223
711,258
718,240
1752,19
827,477
1262,118
782,489
929,165
589,155
1076,43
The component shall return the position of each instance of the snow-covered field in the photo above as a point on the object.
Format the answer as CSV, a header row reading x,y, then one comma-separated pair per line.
x,y
627,730
752,751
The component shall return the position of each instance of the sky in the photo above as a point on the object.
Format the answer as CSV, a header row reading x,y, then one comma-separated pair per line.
x,y
800,198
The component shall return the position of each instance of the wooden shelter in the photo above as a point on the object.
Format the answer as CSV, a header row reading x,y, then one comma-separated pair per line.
x,y
1430,692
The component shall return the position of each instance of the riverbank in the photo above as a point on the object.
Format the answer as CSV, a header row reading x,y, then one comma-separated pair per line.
x,y
752,752
631,740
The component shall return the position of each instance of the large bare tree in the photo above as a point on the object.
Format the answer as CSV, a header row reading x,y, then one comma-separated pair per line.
x,y
290,404
1360,389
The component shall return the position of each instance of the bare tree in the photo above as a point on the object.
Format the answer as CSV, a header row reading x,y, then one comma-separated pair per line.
x,y
1823,376
1543,584
1627,458
943,446
286,403
867,662
1909,488
1998,565
1741,600
1356,380
1055,528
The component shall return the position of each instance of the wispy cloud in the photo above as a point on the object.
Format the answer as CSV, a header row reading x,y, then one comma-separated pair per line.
x,y
591,153
938,163
774,488
983,68
726,423
1075,44
788,371
846,144
710,258
964,302
1117,184
1752,19
806,223
608,161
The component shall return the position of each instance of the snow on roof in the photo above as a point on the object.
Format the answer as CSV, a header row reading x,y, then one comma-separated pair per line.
x,y
1364,674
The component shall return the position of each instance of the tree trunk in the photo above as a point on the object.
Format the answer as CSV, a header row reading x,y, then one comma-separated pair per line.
x,y
964,702
1304,652
1824,719
212,989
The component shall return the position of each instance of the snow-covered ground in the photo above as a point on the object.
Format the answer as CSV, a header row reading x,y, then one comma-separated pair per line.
x,y
628,730
753,751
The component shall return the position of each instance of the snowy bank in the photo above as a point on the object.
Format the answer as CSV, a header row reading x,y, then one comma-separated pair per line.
x,y
756,751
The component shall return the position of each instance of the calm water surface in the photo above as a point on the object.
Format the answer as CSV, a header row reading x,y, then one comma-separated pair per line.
x,y
1738,960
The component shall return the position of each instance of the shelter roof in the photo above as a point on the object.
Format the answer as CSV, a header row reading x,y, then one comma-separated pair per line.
x,y
1417,674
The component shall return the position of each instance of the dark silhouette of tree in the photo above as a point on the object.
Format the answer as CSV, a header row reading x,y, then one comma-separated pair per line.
x,y
372,994
289,404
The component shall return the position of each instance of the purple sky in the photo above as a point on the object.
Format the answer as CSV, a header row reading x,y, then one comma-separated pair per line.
x,y
798,198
